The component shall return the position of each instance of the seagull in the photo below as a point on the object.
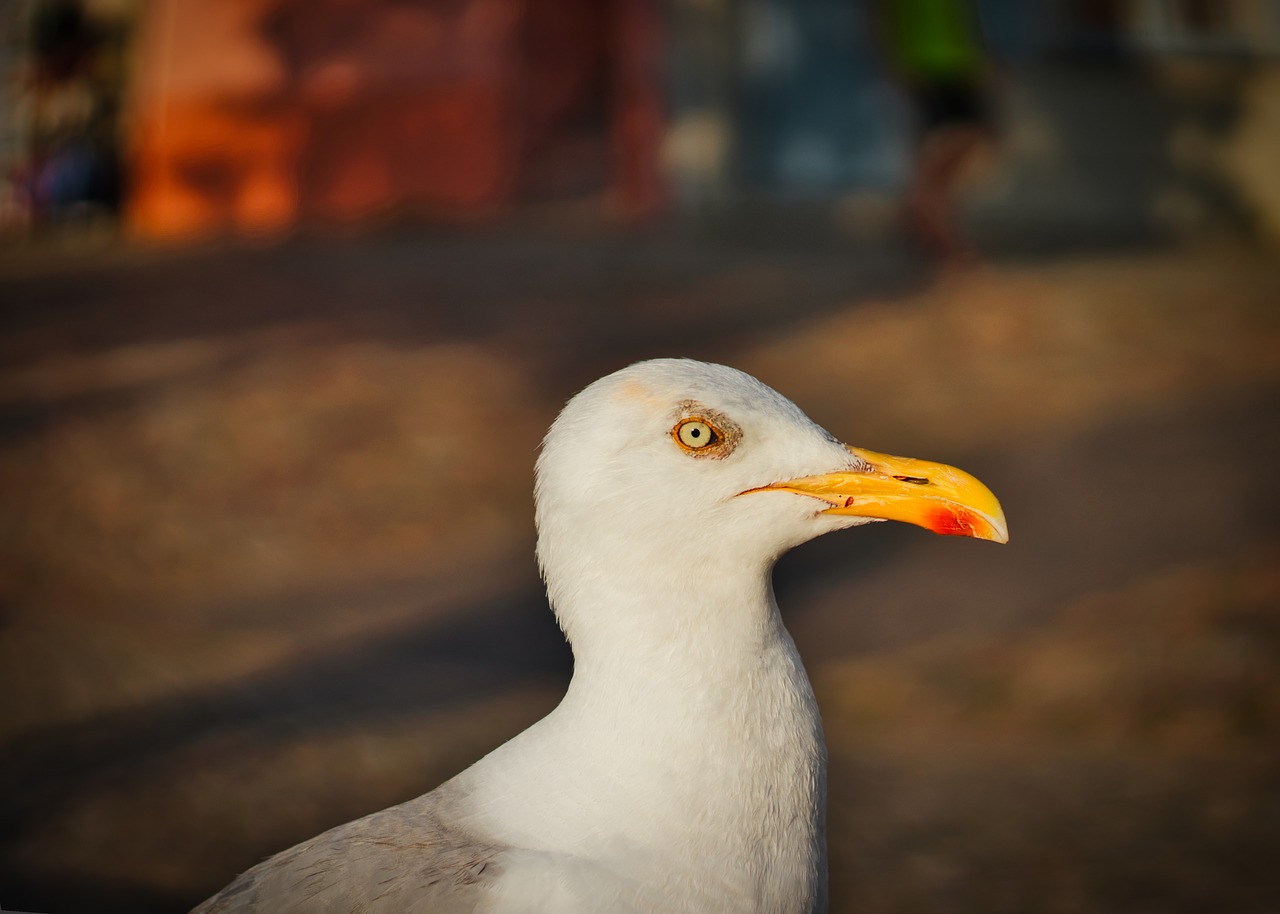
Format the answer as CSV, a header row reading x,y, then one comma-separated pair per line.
x,y
685,768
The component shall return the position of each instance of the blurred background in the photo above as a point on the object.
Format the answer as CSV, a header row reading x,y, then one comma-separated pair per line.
x,y
290,291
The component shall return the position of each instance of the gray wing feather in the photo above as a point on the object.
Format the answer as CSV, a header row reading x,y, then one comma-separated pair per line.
x,y
408,859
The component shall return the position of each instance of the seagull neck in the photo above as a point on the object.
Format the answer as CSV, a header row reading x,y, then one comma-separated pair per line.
x,y
681,631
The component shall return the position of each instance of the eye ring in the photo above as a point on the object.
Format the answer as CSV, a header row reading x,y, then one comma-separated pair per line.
x,y
696,434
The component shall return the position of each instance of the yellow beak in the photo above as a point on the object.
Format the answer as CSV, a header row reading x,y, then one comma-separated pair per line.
x,y
930,495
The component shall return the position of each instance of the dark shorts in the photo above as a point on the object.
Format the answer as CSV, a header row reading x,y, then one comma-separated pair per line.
x,y
950,103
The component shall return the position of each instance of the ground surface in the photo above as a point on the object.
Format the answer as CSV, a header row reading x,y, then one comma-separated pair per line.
x,y
267,535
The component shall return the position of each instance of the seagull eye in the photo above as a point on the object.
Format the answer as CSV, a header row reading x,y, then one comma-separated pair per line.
x,y
696,434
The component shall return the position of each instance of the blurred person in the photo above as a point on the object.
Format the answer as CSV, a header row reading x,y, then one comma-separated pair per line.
x,y
936,50
73,105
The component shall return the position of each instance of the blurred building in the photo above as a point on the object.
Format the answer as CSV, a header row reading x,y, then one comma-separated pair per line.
x,y
256,114
192,118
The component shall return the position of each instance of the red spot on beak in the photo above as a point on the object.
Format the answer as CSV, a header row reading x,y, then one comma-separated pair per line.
x,y
952,521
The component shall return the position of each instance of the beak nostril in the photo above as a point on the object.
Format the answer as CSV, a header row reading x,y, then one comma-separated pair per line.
x,y
914,480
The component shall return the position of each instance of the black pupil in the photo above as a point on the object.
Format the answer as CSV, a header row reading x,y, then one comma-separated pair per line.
x,y
695,432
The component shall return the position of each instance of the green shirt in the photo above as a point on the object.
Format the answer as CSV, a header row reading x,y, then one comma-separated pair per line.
x,y
934,38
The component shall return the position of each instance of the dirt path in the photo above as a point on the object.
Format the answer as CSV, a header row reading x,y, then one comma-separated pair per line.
x,y
267,553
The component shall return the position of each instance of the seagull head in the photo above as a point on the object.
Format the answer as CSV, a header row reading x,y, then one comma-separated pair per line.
x,y
682,469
